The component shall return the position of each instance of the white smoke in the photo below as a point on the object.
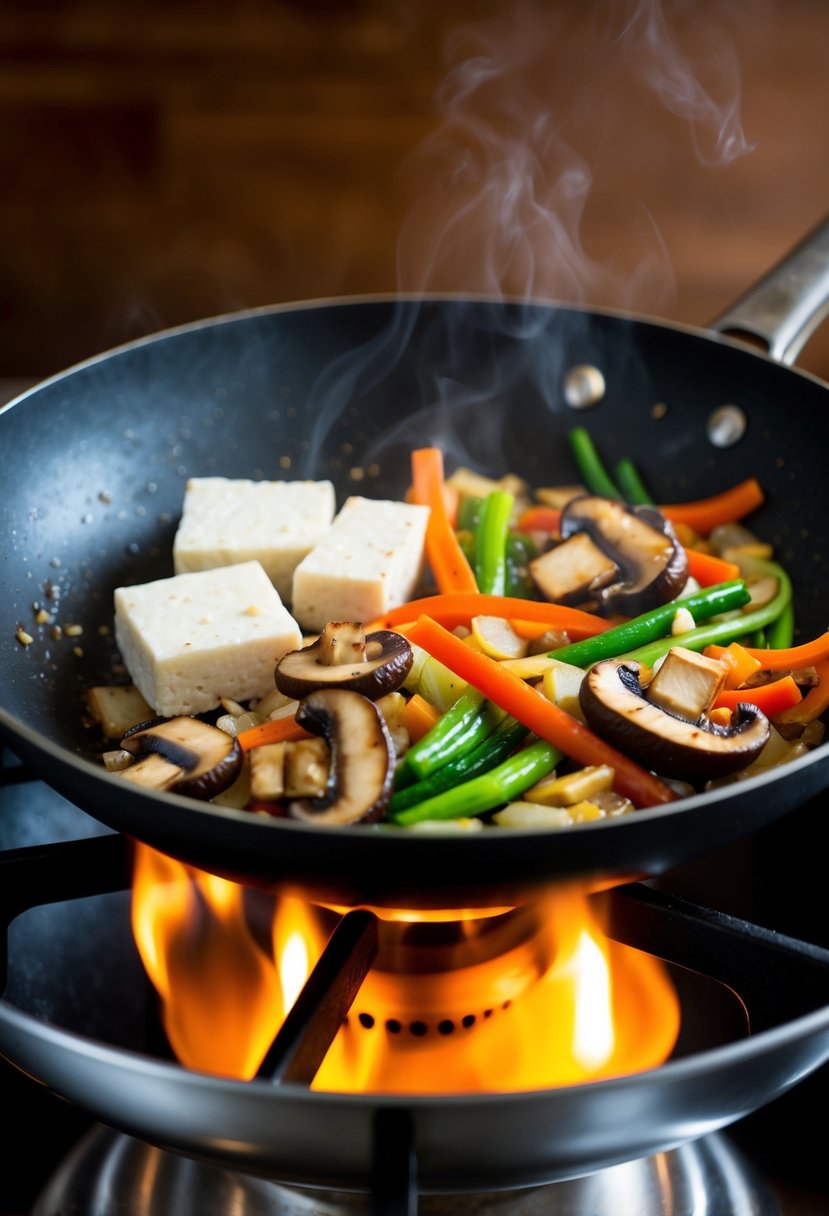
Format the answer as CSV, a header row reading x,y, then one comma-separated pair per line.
x,y
502,187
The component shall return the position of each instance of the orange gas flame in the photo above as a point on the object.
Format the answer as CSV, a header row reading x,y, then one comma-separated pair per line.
x,y
221,997
568,1005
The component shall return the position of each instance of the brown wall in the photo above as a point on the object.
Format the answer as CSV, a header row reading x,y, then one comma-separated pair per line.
x,y
165,161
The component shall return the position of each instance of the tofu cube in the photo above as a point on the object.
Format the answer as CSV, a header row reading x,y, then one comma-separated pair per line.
x,y
369,561
686,683
190,640
225,521
573,570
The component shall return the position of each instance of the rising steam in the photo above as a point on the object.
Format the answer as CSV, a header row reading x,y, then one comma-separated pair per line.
x,y
534,109
542,122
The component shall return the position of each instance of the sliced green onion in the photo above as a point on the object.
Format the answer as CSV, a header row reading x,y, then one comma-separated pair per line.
x,y
780,633
484,793
463,726
589,464
721,632
491,542
491,751
631,484
650,626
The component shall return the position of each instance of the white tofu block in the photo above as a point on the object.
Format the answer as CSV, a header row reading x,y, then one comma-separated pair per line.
x,y
369,561
225,521
189,640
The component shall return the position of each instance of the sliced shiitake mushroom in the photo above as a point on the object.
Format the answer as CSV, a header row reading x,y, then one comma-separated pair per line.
x,y
615,705
361,769
183,755
343,656
653,566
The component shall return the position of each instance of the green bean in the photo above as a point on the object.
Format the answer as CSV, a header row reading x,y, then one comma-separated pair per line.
x,y
489,790
631,484
491,540
780,633
463,726
650,626
491,751
589,464
720,633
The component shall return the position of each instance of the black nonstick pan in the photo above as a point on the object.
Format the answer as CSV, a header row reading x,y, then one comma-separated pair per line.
x,y
94,461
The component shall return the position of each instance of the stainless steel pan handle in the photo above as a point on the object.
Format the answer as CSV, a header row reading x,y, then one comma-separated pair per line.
x,y
784,308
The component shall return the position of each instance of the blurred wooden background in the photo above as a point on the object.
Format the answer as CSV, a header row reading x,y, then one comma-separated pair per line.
x,y
166,161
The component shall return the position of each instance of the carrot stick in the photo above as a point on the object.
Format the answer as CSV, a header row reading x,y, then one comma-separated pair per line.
x,y
772,698
274,731
707,513
709,570
542,717
808,654
702,515
458,608
448,563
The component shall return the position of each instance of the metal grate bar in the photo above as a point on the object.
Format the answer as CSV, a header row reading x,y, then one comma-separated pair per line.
x,y
394,1176
777,977
318,1012
70,869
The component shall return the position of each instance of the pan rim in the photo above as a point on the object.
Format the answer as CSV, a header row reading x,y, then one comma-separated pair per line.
x,y
373,298
84,767
794,1030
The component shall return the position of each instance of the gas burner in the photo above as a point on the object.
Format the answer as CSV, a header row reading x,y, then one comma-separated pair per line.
x,y
707,1177
79,1015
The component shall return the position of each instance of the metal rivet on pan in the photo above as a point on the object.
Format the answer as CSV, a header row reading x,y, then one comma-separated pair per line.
x,y
726,426
583,386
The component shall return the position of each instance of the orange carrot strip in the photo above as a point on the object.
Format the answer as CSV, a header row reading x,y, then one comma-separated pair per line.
x,y
707,513
453,609
709,570
720,717
447,560
816,700
772,698
806,655
543,717
274,731
419,716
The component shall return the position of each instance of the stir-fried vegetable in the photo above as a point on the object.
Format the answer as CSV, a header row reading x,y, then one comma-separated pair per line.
x,y
490,751
509,704
450,568
490,790
453,610
543,717
655,626
462,727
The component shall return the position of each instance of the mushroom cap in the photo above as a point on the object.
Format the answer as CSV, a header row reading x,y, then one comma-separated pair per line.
x,y
378,663
642,542
614,704
201,760
362,758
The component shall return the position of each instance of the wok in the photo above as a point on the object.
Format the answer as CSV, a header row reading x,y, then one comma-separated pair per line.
x,y
93,464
